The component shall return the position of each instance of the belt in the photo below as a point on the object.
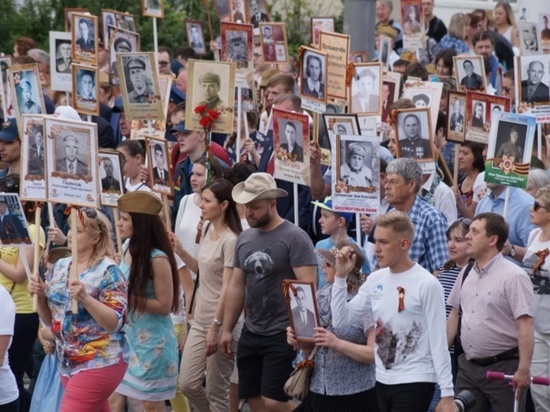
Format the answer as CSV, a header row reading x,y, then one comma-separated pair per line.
x,y
508,355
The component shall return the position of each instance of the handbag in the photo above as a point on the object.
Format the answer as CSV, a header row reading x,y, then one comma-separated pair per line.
x,y
297,385
48,390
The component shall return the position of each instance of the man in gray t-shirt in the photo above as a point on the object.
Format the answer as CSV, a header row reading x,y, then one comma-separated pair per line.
x,y
271,250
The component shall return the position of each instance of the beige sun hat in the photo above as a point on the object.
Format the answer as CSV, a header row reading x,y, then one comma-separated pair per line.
x,y
258,186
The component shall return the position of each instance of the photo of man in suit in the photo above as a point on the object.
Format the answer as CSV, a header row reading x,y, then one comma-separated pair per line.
x,y
12,229
85,40
27,105
295,152
160,174
413,145
138,81
120,45
109,183
36,150
86,86
545,33
457,118
533,90
195,38
64,60
210,85
303,318
366,100
529,35
472,80
71,163
256,15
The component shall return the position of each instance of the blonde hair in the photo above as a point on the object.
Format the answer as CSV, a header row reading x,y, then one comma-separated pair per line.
x,y
509,12
459,21
99,226
544,194
398,222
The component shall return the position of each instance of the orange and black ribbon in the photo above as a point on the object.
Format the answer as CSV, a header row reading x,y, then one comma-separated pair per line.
x,y
306,363
288,285
401,301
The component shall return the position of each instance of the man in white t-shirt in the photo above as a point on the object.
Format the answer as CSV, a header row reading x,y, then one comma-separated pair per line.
x,y
9,394
407,303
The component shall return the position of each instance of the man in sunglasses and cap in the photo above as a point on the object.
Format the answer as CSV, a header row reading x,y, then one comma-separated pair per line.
x,y
272,250
141,84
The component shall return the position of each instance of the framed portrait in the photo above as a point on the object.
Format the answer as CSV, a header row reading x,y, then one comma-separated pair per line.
x,y
85,89
5,64
152,8
456,120
139,86
385,51
366,87
140,129
3,101
302,308
319,24
532,80
84,32
237,11
33,178
72,162
273,39
26,91
13,230
368,124
358,57
470,73
222,8
543,27
125,21
324,135
108,18
391,90
414,135
238,47
341,123
256,13
159,165
110,176
195,36
480,108
313,67
509,150
424,94
528,37
69,16
165,84
61,60
122,41
412,17
219,96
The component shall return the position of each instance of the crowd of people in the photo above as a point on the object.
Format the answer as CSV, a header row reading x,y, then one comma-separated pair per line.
x,y
411,306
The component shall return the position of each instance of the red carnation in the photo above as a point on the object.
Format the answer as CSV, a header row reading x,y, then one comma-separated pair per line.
x,y
214,114
205,122
200,109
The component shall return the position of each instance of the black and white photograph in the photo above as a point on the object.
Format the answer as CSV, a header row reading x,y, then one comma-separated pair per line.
x,y
195,36
391,90
25,86
341,123
290,140
478,113
457,117
421,99
108,18
69,16
13,230
535,80
385,48
152,8
85,89
356,164
63,56
33,178
274,45
528,38
314,75
511,139
159,168
125,21
424,94
84,32
72,162
237,44
110,175
122,41
366,86
302,309
237,11
61,61
543,27
319,24
358,57
222,8
413,132
470,73
5,64
480,108
256,12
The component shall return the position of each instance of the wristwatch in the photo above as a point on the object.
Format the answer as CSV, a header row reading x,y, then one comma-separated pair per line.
x,y
217,322
513,251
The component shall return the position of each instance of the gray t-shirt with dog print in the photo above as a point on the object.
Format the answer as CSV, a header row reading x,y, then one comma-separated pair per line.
x,y
267,258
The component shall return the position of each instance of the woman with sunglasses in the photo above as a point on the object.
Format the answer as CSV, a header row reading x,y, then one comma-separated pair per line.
x,y
91,347
537,265
153,293
214,262
344,373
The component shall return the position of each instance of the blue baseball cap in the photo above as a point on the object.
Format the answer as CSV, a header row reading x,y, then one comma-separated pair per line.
x,y
327,205
180,127
9,131
176,95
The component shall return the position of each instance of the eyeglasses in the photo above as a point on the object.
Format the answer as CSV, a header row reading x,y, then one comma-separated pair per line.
x,y
164,64
537,206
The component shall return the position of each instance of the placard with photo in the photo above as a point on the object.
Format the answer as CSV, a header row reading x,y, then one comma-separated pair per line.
x,y
159,165
356,174
122,41
274,45
425,95
108,18
152,8
532,80
480,108
125,21
195,36
61,60
84,33
385,51
528,37
85,89
509,151
366,87
341,123
165,86
369,124
336,46
140,129
414,137
302,308
33,179
324,134
319,24
470,73
291,146
72,162
456,120
543,28
222,8
256,13
237,11
13,230
358,57
412,16
391,90
313,67
110,176
69,16
3,100
238,47
26,91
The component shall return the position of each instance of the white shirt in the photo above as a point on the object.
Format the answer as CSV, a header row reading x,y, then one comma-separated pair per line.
x,y
8,386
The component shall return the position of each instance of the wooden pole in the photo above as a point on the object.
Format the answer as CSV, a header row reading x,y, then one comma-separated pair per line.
x,y
455,171
155,36
73,275
36,262
315,137
116,215
166,210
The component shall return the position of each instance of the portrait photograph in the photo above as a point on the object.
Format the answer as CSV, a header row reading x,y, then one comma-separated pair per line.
x,y
273,40
222,8
26,91
290,141
33,142
71,161
412,18
85,89
369,125
366,87
528,37
256,12
356,164
122,41
5,64
314,75
480,108
532,85
125,21
110,176
3,100
424,94
139,86
69,16
414,136
341,123
509,150
238,47
61,60
302,309
152,8
391,90
84,31
237,11
543,27
323,137
159,165
108,18
195,36
319,24
13,230
456,120
212,85
470,73
385,51
358,57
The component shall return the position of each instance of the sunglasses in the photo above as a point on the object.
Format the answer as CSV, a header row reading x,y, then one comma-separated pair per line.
x,y
164,64
537,206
